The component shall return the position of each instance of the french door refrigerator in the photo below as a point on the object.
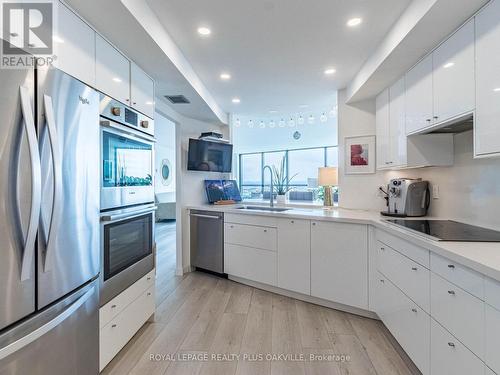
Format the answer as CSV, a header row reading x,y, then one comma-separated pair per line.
x,y
49,224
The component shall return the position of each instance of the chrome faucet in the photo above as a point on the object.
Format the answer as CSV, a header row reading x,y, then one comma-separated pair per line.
x,y
271,199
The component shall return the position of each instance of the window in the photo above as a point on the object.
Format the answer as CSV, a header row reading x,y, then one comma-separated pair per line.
x,y
303,163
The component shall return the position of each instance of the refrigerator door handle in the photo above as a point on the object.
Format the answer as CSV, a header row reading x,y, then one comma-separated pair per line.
x,y
47,327
57,168
36,189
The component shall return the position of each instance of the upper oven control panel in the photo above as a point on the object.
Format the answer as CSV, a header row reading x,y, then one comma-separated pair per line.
x,y
125,115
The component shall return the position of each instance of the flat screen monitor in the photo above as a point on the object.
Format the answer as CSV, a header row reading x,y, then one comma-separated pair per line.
x,y
209,156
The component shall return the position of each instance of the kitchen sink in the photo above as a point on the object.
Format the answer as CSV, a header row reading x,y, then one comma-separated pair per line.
x,y
263,208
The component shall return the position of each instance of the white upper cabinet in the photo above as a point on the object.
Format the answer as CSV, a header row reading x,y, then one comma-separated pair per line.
x,y
397,129
141,91
74,46
382,130
453,75
419,96
112,71
487,121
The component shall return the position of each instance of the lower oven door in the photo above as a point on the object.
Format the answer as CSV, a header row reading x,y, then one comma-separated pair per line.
x,y
127,249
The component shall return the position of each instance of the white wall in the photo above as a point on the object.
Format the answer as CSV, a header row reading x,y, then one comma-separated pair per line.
x,y
164,149
469,190
357,191
189,185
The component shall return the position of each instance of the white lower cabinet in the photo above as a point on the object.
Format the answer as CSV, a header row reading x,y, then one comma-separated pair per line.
x,y
459,312
492,332
294,255
412,278
449,356
339,263
250,263
408,323
117,332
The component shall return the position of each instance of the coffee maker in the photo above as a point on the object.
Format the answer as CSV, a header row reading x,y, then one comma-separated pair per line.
x,y
407,197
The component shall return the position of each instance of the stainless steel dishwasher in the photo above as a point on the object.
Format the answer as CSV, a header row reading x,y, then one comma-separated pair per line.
x,y
207,240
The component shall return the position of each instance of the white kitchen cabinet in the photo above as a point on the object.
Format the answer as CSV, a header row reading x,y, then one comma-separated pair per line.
x,y
141,91
397,120
74,46
418,97
382,130
487,116
453,75
459,312
339,263
250,263
409,324
409,276
449,356
112,71
294,255
492,324
250,235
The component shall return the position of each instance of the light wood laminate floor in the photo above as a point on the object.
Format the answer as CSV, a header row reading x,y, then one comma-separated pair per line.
x,y
214,320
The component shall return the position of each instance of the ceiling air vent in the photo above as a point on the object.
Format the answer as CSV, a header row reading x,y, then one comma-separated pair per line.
x,y
177,99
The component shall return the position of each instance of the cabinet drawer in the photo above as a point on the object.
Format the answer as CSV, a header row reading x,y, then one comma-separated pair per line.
x,y
121,301
464,277
459,312
449,356
409,324
406,248
250,263
492,324
409,276
263,221
123,327
251,236
492,292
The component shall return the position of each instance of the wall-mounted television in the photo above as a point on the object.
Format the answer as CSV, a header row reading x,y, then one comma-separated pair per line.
x,y
209,156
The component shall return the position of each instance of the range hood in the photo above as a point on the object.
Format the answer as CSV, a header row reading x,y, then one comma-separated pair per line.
x,y
455,125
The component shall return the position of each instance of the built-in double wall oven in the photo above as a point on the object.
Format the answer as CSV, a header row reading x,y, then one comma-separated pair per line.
x,y
127,197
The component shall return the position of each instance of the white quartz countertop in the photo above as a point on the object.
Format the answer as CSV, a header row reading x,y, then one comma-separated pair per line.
x,y
483,257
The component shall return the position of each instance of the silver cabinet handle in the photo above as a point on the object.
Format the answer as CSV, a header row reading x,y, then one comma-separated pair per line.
x,y
149,293
265,230
382,248
436,117
205,216
313,223
57,167
452,292
36,189
428,120
451,344
113,325
382,281
292,221
414,269
451,266
128,215
113,306
414,310
47,327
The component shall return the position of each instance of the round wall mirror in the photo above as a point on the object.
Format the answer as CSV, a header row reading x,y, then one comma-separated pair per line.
x,y
166,172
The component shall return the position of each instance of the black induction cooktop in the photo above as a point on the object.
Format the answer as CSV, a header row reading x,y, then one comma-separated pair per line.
x,y
449,230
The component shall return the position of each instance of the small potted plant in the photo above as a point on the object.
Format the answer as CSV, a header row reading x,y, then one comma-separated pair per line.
x,y
281,182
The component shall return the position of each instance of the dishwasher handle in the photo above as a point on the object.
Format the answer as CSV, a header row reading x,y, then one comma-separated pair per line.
x,y
206,216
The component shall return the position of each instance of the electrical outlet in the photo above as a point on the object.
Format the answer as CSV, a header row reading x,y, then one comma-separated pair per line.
x,y
435,191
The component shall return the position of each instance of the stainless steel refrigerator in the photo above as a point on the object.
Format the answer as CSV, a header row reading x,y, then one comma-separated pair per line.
x,y
49,224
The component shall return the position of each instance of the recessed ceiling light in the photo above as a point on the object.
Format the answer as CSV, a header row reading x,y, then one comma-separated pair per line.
x,y
354,22
329,71
303,105
236,100
204,31
225,76
273,111
116,79
149,103
448,65
497,89
57,39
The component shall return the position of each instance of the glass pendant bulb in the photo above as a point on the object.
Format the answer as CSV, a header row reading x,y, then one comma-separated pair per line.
x,y
310,120
300,121
237,123
291,122
323,117
262,124
250,124
282,123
